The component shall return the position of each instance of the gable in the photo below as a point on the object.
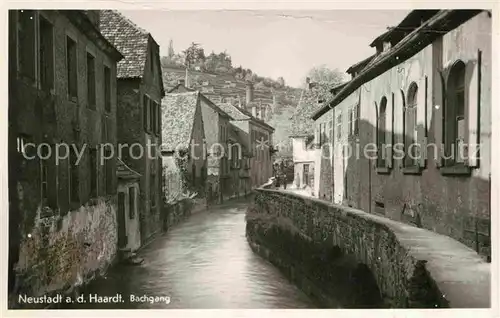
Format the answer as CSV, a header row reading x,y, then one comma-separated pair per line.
x,y
152,68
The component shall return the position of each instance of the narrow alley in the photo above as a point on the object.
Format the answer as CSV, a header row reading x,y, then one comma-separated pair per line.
x,y
203,263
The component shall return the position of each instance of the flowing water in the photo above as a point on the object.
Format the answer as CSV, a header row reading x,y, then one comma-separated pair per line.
x,y
203,263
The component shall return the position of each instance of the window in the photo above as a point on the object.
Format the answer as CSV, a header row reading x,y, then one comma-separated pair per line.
x,y
26,43
108,172
71,65
46,54
131,202
158,118
350,122
321,134
454,112
339,126
305,175
152,180
73,177
381,133
152,116
235,156
91,98
356,120
145,113
410,127
107,89
93,168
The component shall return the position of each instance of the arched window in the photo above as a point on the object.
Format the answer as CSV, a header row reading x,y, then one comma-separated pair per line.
x,y
381,133
454,115
410,126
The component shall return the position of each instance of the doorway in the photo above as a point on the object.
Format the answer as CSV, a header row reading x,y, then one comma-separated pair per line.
x,y
122,232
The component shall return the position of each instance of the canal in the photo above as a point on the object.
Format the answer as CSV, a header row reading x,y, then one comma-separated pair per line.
x,y
203,263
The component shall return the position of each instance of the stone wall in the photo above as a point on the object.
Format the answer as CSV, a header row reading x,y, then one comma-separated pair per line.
x,y
64,252
397,265
427,194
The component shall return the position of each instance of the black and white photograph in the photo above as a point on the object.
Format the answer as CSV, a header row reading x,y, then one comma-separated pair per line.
x,y
250,158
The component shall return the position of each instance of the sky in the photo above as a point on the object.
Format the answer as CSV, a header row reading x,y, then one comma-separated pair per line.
x,y
272,43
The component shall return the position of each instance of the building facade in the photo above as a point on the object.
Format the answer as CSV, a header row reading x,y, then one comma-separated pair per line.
x,y
424,127
216,131
257,137
140,90
183,150
303,161
62,118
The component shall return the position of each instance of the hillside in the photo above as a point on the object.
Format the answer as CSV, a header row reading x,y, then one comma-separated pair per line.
x,y
229,88
226,85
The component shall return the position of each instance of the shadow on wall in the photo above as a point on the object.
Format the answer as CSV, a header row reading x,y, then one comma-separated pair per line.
x,y
456,205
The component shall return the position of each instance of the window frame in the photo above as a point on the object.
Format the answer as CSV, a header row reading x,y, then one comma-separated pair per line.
x,y
73,38
91,104
381,136
51,88
411,108
451,116
108,103
19,71
153,184
146,101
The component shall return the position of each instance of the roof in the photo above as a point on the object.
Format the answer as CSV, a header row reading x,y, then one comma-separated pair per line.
x,y
235,112
125,172
302,124
240,114
407,25
129,39
337,88
445,21
205,99
178,114
360,65
80,19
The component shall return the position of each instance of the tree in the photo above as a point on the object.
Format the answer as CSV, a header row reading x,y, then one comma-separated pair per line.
x,y
194,55
281,81
171,51
324,75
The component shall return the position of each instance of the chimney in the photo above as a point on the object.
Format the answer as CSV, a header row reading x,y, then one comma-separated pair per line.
x,y
186,80
254,111
308,83
263,113
249,92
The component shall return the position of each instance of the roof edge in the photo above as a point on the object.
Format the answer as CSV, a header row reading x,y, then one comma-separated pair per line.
x,y
82,22
413,43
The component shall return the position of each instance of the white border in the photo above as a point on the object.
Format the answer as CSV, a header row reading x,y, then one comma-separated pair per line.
x,y
255,5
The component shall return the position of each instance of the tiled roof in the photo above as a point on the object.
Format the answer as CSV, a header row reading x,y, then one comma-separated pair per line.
x,y
125,172
302,123
177,111
235,112
129,39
